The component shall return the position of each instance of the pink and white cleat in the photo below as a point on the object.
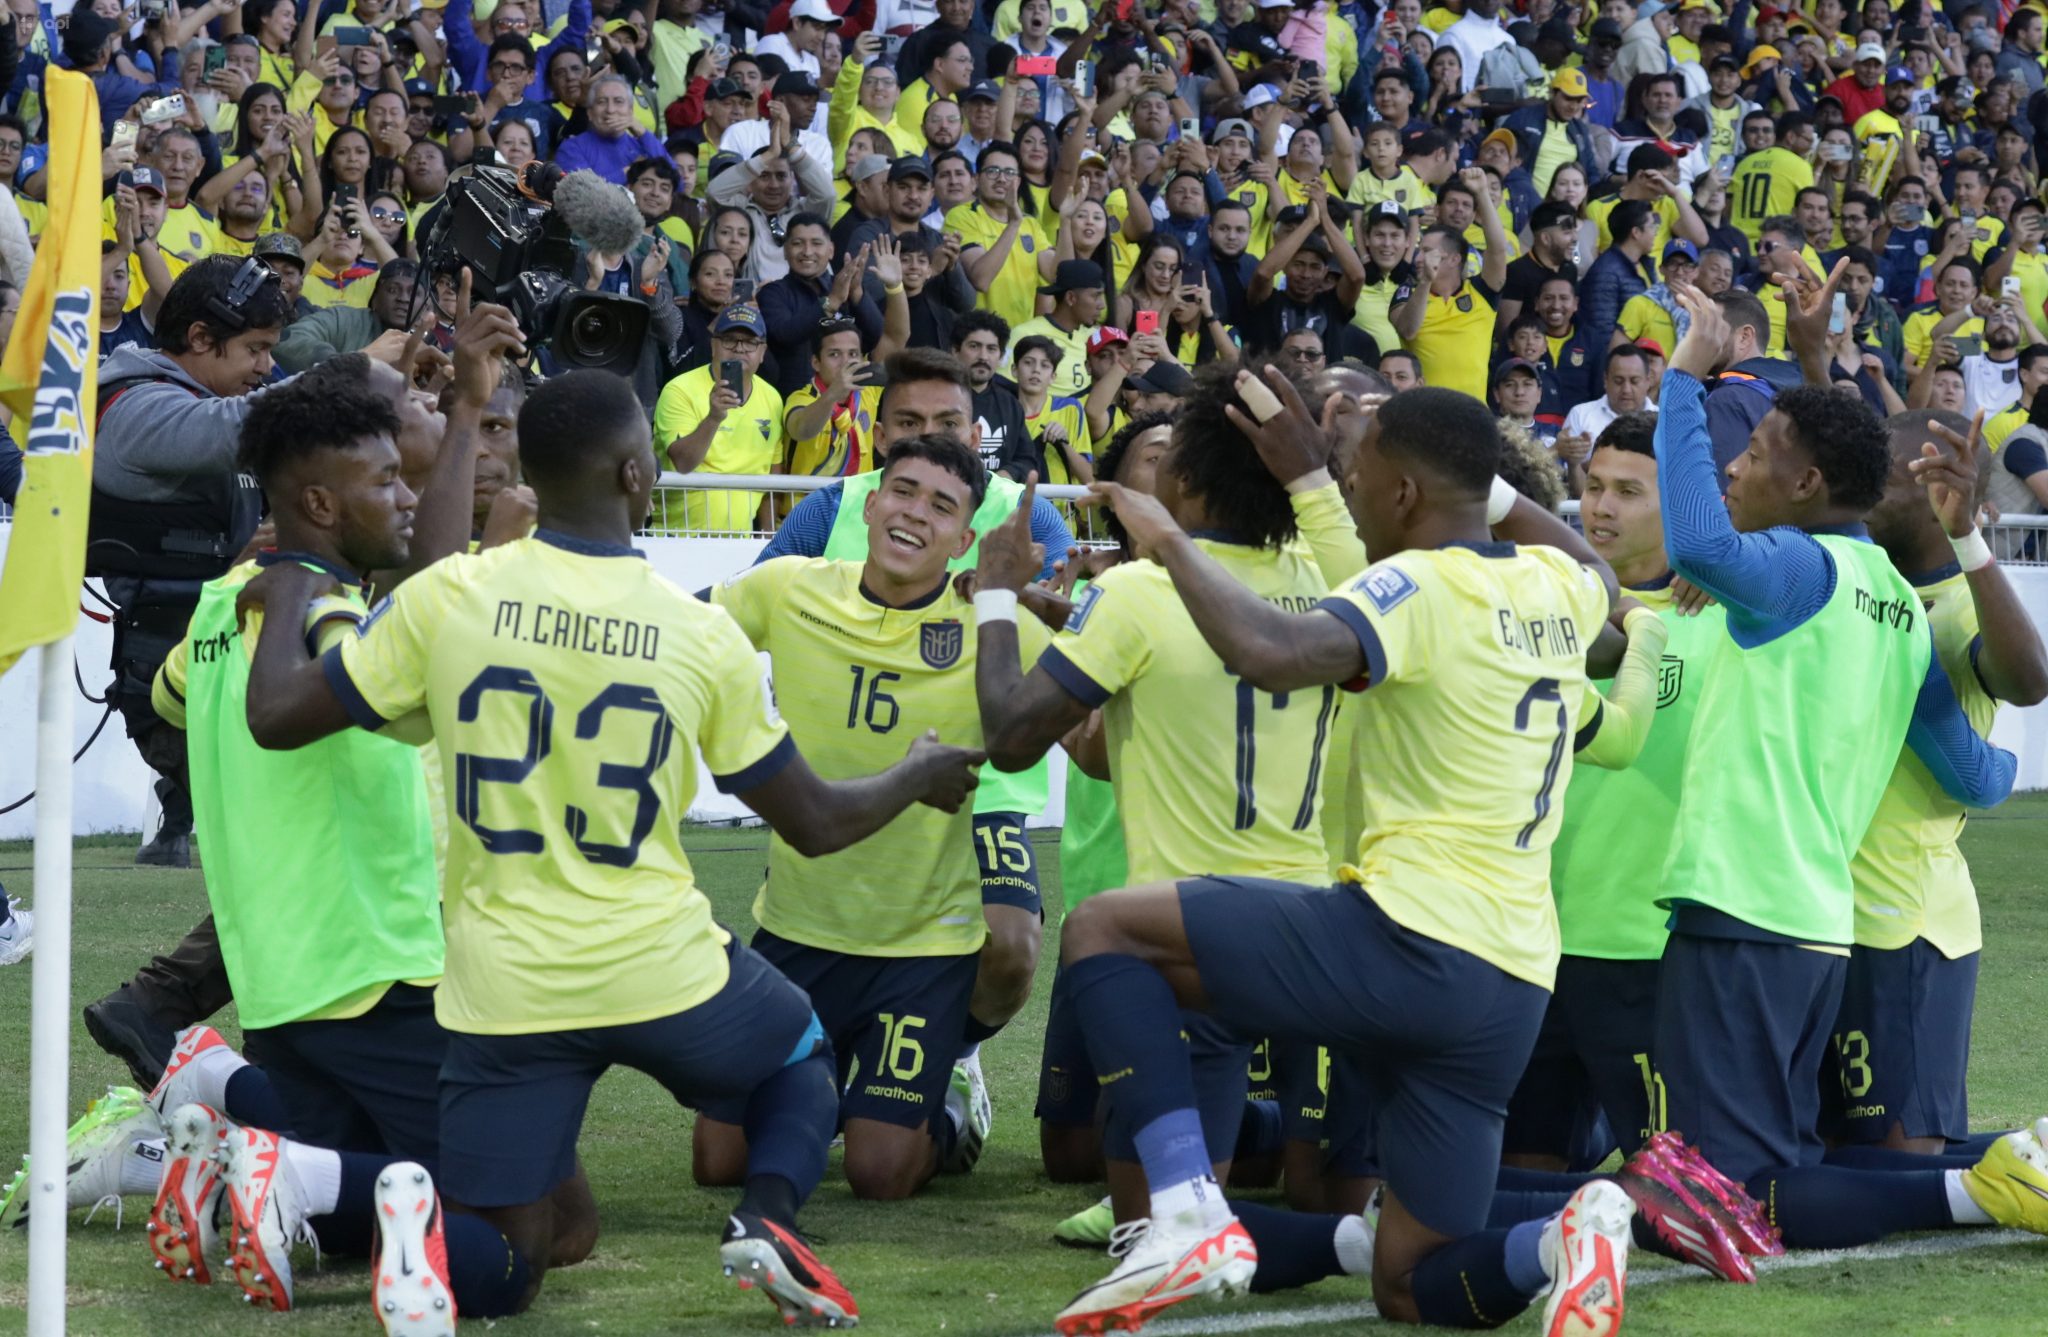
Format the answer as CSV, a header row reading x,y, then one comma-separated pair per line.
x,y
411,1292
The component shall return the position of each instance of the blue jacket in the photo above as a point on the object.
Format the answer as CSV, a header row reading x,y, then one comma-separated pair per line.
x,y
1608,285
1530,124
1741,396
471,58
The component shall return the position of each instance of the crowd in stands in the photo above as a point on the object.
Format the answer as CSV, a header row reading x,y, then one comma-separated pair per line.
x,y
1085,204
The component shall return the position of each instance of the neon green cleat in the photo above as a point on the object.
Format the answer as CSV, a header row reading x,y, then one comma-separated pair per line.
x,y
96,1150
2011,1182
968,1105
1089,1228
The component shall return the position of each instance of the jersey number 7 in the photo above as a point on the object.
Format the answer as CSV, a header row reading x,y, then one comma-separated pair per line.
x,y
1248,755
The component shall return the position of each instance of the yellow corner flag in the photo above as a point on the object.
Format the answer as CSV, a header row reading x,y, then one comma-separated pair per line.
x,y
49,378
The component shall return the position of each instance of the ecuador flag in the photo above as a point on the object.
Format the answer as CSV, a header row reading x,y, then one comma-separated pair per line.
x,y
50,379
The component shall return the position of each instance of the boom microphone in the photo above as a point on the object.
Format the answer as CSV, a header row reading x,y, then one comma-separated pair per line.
x,y
599,214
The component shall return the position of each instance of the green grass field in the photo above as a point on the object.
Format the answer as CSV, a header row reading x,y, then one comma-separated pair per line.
x,y
974,1255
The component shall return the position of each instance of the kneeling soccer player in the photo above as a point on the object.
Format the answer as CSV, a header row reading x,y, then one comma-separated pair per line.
x,y
556,673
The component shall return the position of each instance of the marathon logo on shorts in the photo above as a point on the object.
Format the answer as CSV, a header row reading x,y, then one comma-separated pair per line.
x,y
1670,680
1386,586
939,643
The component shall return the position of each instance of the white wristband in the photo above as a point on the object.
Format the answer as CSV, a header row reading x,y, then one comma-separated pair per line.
x,y
1500,500
995,606
1313,481
1972,552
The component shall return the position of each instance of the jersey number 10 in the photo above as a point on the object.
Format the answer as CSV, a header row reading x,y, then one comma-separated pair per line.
x,y
1248,755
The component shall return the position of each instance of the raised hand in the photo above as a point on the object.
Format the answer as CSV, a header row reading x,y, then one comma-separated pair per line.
x,y
1290,442
485,335
1700,351
887,260
1950,477
1149,524
1010,558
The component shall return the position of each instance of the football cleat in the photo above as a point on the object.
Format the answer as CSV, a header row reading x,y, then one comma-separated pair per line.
x,y
184,1230
758,1252
411,1291
1740,1215
1588,1262
967,1102
1174,1261
269,1216
1089,1228
179,1083
2010,1181
1677,1199
18,934
96,1148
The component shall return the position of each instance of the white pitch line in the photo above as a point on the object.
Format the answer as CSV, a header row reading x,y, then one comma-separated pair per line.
x,y
1204,1325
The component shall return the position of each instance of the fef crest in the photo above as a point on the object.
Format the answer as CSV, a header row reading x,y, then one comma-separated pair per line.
x,y
939,643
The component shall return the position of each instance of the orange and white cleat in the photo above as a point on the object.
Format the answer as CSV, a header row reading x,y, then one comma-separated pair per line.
x,y
758,1252
1174,1261
184,1226
411,1292
269,1216
1589,1262
179,1085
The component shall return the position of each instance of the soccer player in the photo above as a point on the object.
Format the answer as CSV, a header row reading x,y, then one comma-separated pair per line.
x,y
885,936
1827,672
556,673
1593,1053
1431,960
1902,1038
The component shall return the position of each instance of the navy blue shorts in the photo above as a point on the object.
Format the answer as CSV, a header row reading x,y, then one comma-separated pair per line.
x,y
512,1105
1742,1031
1438,1035
1301,1083
1009,866
1349,1142
1067,1091
1219,1057
1591,1057
901,1019
1902,1045
370,1083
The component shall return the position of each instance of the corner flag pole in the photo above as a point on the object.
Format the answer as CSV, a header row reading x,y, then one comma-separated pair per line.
x,y
50,996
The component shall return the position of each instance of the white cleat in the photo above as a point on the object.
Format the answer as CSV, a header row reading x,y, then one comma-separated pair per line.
x,y
269,1216
1588,1260
967,1103
184,1226
411,1292
18,934
179,1084
114,1130
1172,1262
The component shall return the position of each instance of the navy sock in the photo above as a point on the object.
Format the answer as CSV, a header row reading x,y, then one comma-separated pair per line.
x,y
1295,1248
351,1227
1522,1257
1888,1158
771,1197
789,1120
1259,1133
1975,1145
1511,1207
489,1276
1544,1181
1466,1284
252,1103
1827,1207
1132,1026
978,1030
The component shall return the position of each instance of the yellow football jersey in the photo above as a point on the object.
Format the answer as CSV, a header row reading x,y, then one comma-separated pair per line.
x,y
1476,673
1911,878
1013,293
557,675
860,681
1173,714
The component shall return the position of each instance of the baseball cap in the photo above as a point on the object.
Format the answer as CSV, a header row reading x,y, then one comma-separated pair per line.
x,y
85,34
1570,81
145,178
1162,378
983,91
1260,95
1758,55
1276,4
1768,12
815,10
1236,125
1726,58
1604,30
1104,336
1651,346
1900,74
744,316
1870,51
719,163
1073,276
618,25
279,246
1512,365
418,88
873,165
1650,9
1501,135
1680,246
910,167
721,89
1389,210
797,83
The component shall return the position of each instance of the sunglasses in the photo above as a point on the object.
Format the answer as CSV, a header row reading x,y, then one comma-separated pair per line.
x,y
387,215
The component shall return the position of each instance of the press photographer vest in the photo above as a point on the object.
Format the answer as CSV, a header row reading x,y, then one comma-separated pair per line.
x,y
194,536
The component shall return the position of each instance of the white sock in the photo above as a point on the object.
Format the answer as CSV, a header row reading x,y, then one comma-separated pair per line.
x,y
142,1167
1353,1243
1195,1201
209,1072
318,1172
1962,1208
